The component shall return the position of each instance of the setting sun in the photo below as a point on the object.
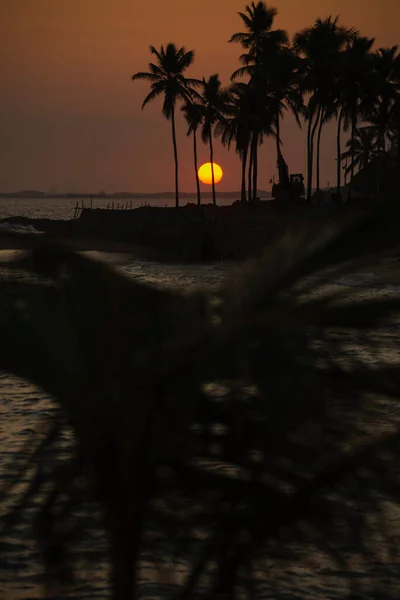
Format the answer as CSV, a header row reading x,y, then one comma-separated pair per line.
x,y
205,174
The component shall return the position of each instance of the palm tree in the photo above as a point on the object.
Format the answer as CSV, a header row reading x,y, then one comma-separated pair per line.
x,y
327,114
214,100
353,87
320,46
262,124
194,117
361,148
167,79
258,20
236,126
276,75
394,133
386,88
272,68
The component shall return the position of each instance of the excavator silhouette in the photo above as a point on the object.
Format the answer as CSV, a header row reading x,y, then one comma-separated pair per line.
x,y
290,188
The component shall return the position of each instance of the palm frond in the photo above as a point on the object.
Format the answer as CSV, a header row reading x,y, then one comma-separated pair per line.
x,y
278,339
239,38
156,92
151,77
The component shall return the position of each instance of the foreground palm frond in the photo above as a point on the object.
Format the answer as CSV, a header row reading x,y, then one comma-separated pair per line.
x,y
211,426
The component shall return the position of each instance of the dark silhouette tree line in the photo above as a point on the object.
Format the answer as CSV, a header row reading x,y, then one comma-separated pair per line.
x,y
328,71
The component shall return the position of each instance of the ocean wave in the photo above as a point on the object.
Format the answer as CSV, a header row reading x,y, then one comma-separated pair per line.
x,y
24,229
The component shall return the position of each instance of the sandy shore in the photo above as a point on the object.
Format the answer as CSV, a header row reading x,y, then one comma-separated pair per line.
x,y
111,251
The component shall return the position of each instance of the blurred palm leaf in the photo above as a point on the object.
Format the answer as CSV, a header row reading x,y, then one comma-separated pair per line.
x,y
240,415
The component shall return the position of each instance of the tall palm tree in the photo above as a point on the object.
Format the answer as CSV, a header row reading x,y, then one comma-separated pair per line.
x,y
214,100
262,124
326,115
236,126
194,117
384,93
353,87
271,66
320,46
167,79
361,149
387,86
276,73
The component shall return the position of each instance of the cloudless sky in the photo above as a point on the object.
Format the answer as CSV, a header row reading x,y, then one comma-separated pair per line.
x,y
70,116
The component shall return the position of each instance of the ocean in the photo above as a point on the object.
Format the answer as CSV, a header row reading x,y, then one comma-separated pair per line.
x,y
64,208
24,409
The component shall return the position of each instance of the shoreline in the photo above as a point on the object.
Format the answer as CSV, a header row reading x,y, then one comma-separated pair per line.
x,y
203,234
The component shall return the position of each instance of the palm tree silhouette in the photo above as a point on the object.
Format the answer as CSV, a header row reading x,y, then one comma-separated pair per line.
x,y
213,105
276,75
394,126
354,86
258,20
167,79
270,65
361,149
320,46
326,116
385,90
236,126
387,87
263,111
194,117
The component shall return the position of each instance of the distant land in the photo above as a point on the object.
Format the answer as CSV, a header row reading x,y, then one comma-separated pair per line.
x,y
34,194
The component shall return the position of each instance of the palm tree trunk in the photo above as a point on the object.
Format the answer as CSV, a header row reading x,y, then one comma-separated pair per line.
x,y
244,163
398,148
309,171
195,167
353,137
310,151
255,166
250,173
319,150
278,141
339,154
176,158
212,167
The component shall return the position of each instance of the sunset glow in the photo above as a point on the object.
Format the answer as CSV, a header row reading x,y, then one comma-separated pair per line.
x,y
205,174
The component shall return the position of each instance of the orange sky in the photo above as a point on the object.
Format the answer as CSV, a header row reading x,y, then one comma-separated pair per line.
x,y
70,116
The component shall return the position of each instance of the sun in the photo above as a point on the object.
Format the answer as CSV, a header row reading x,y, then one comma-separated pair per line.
x,y
205,174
